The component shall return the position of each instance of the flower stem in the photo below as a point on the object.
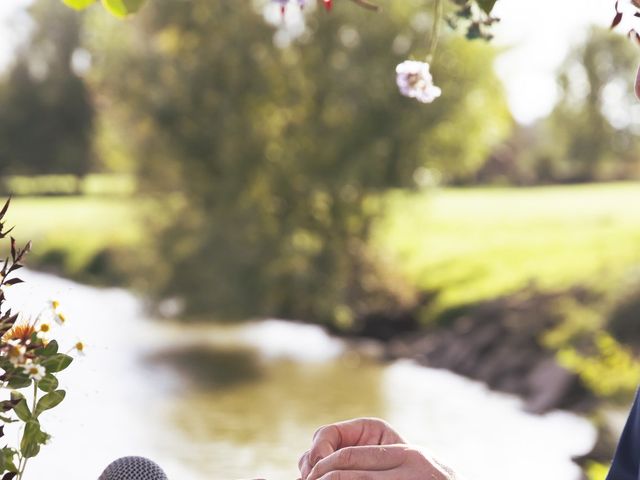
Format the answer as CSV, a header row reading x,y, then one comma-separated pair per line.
x,y
367,5
22,464
438,9
35,396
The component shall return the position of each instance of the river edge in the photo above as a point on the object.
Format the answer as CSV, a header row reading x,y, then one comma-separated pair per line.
x,y
498,343
565,391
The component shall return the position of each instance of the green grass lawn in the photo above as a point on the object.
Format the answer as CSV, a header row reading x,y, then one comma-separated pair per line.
x,y
470,244
79,227
480,243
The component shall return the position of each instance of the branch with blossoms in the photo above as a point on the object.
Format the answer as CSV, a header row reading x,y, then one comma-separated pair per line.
x,y
29,360
628,7
328,4
413,77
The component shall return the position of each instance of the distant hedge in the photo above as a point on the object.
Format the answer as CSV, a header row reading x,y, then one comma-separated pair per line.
x,y
59,185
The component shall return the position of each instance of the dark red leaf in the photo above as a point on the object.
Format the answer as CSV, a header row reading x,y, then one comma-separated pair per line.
x,y
14,281
25,250
13,249
14,267
5,208
4,234
616,20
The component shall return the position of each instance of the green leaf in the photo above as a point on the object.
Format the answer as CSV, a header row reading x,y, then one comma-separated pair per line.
x,y
22,411
49,350
49,401
32,438
19,380
48,384
486,5
78,4
122,8
56,363
8,464
6,364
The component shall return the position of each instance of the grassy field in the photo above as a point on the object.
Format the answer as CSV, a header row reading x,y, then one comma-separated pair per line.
x,y
476,244
470,244
76,227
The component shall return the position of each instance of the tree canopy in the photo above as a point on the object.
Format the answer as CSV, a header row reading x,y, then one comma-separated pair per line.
x,y
46,113
275,156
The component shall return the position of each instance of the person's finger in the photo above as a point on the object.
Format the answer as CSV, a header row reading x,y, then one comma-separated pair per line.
x,y
365,458
351,433
360,475
330,434
303,459
304,465
326,440
360,431
321,448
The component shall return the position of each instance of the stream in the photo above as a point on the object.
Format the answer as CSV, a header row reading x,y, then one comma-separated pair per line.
x,y
242,401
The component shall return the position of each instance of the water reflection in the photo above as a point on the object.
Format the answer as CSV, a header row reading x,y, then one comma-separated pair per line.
x,y
200,367
259,428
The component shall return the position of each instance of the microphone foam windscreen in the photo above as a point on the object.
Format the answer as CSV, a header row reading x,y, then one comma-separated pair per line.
x,y
133,468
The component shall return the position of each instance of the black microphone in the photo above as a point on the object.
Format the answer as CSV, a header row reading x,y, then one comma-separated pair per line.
x,y
133,468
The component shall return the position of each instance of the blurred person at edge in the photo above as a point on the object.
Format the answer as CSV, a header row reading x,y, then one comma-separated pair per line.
x,y
370,449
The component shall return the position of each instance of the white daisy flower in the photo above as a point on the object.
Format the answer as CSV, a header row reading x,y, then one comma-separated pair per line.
x,y
35,371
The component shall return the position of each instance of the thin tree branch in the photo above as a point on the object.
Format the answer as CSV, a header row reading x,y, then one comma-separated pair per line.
x,y
367,5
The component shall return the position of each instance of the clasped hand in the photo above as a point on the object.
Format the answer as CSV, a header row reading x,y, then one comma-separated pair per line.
x,y
367,449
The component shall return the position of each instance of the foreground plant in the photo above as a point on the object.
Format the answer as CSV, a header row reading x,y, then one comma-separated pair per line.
x,y
29,360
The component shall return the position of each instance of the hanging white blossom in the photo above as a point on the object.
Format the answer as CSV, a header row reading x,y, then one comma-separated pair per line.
x,y
415,81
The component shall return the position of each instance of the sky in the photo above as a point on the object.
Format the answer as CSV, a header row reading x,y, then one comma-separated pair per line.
x,y
539,34
12,23
536,33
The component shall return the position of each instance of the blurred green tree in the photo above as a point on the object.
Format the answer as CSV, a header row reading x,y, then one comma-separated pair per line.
x,y
591,134
594,132
46,115
268,160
